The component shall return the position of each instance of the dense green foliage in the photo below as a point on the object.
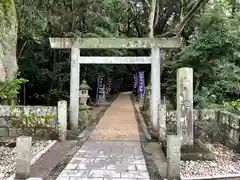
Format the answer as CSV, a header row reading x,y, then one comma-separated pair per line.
x,y
48,70
211,39
213,53
10,89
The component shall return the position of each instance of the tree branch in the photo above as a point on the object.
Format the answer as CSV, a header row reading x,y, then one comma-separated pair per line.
x,y
157,13
21,50
189,16
148,4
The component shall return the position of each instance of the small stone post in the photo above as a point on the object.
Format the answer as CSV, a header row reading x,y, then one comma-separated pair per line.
x,y
23,157
185,127
162,121
173,157
62,119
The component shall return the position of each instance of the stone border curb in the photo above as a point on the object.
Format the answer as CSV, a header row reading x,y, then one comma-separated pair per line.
x,y
139,116
237,176
41,153
37,156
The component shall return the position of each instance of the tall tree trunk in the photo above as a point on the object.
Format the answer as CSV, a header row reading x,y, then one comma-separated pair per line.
x,y
151,24
152,18
8,43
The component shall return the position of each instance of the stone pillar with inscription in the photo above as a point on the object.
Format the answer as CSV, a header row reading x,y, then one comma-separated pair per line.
x,y
185,105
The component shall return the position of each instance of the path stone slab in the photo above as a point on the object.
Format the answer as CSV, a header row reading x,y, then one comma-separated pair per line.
x,y
125,179
71,166
74,172
78,160
92,166
108,160
122,156
62,178
75,178
104,173
135,174
133,161
112,157
139,157
121,167
141,167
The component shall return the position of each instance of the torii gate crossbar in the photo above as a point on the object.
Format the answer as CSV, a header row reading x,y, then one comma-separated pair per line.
x,y
114,60
75,44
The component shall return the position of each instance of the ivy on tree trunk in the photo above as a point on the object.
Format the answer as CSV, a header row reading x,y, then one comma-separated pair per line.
x,y
8,43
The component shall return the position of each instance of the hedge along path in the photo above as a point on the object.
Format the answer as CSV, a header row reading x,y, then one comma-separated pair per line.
x,y
119,121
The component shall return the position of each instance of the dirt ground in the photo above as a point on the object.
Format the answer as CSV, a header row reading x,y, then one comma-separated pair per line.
x,y
119,121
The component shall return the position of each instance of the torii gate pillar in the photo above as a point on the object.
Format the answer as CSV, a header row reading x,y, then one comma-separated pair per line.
x,y
74,89
155,87
155,44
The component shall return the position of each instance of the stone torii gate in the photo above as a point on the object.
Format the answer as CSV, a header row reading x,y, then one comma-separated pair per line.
x,y
155,44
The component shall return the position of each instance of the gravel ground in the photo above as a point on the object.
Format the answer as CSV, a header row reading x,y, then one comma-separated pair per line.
x,y
7,157
118,122
226,162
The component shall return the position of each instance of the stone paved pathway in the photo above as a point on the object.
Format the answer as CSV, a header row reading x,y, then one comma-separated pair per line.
x,y
113,151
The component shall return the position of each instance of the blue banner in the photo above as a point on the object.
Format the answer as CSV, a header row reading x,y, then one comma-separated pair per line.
x,y
141,88
141,83
101,88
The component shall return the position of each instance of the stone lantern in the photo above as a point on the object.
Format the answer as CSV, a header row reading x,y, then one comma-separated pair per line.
x,y
83,94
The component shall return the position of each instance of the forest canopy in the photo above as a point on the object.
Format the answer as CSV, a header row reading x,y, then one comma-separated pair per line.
x,y
210,44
